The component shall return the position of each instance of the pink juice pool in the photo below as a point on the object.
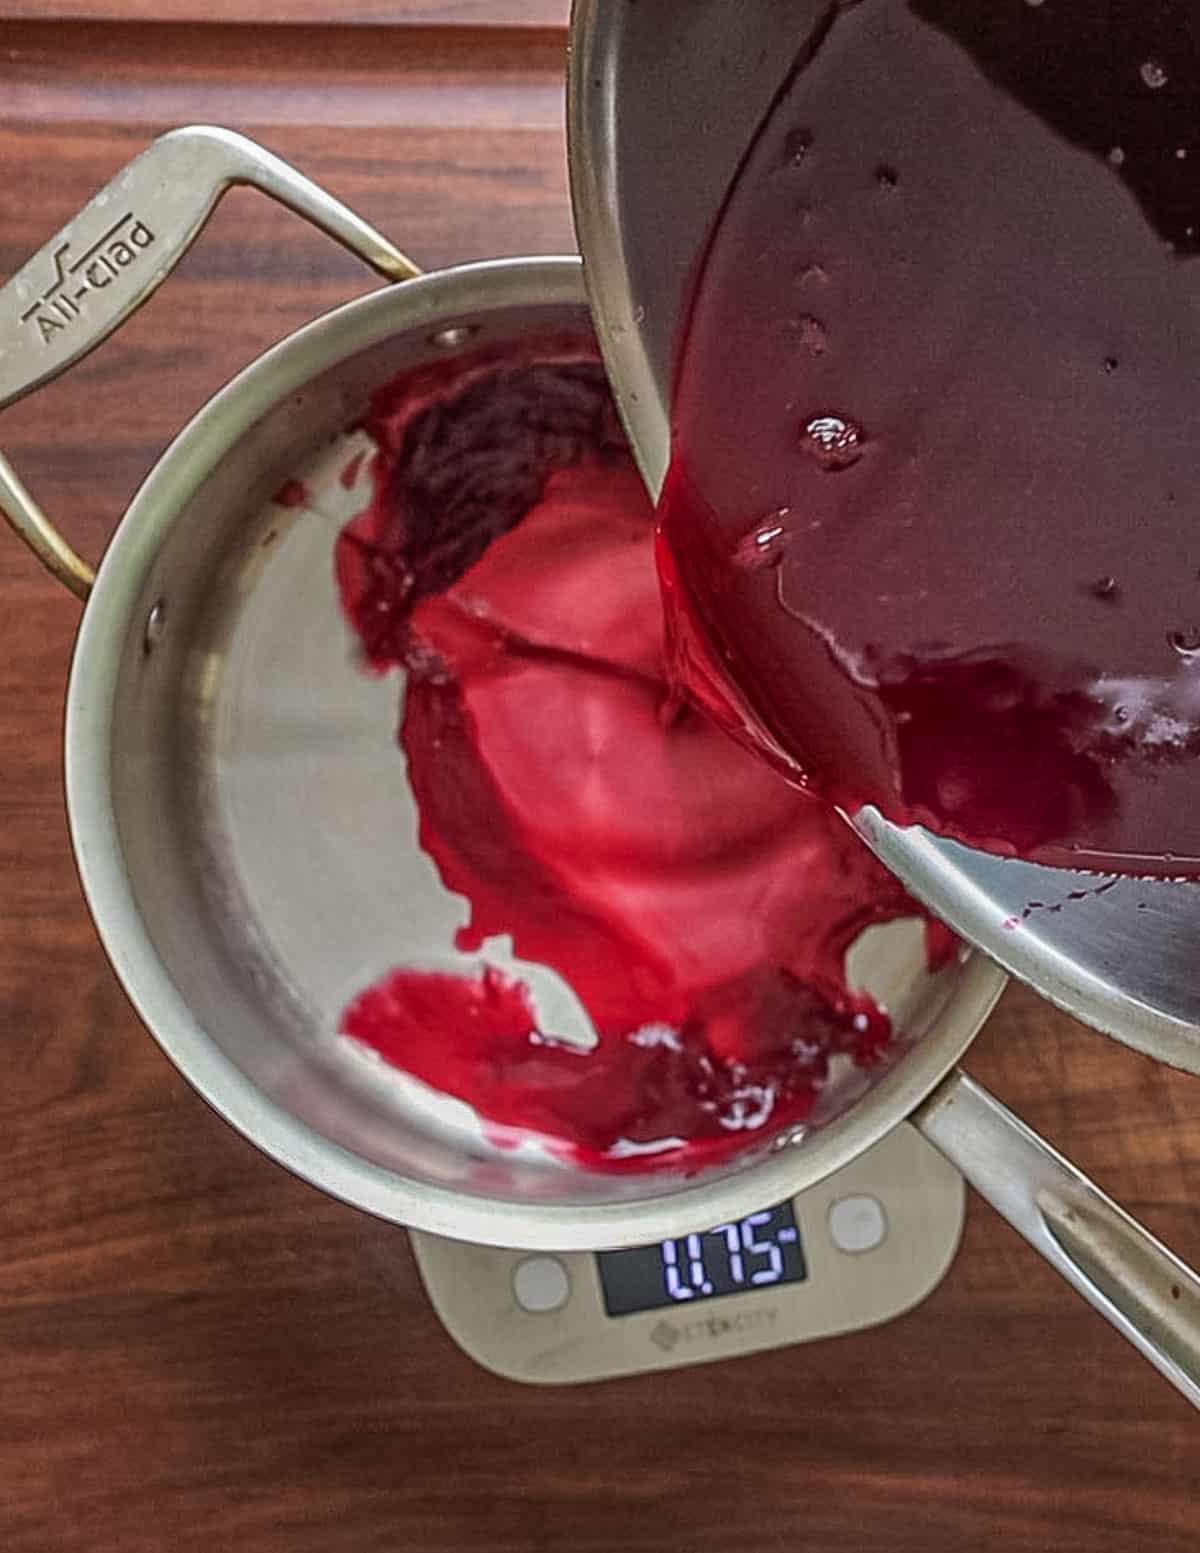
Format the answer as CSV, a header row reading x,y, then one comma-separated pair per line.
x,y
699,906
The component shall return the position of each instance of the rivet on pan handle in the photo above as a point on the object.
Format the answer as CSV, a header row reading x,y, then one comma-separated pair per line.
x,y
115,254
1144,1290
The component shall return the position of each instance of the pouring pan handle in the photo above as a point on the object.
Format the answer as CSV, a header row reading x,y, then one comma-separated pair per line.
x,y
1144,1290
115,254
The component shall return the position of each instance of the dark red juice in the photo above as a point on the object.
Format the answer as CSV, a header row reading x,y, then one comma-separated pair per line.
x,y
935,503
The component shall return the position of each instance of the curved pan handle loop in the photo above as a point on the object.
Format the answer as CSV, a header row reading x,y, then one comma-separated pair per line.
x,y
1144,1290
115,254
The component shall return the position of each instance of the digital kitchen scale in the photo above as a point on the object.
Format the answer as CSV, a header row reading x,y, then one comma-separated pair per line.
x,y
867,1244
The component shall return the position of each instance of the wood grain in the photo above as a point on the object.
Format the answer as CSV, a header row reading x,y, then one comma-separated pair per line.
x,y
373,77
346,13
198,1351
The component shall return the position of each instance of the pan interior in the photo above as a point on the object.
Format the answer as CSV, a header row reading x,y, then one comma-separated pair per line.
x,y
266,837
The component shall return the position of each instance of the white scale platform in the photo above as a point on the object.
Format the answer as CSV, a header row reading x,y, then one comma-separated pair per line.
x,y
862,1247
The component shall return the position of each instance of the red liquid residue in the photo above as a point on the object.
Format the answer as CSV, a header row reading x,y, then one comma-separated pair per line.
x,y
351,471
934,504
292,493
697,904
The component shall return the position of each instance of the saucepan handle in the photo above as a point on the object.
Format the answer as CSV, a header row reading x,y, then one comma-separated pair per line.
x,y
115,253
1144,1290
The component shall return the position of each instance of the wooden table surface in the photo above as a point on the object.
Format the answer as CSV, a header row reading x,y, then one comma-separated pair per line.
x,y
198,1351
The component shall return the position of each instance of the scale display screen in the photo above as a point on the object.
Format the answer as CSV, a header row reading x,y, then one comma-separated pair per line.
x,y
753,1253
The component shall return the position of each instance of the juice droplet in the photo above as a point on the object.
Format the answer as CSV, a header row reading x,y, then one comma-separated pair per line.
x,y
814,275
1186,643
833,441
1104,588
812,335
1111,364
1116,156
1153,74
796,147
764,545
292,493
886,177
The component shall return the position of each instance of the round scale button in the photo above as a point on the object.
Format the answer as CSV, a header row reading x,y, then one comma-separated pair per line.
x,y
540,1284
857,1223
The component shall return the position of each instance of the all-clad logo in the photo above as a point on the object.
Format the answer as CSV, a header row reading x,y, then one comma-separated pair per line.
x,y
74,278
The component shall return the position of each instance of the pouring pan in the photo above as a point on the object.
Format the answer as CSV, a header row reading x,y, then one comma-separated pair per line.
x,y
663,102
243,830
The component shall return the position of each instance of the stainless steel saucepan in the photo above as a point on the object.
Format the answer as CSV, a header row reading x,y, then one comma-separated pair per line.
x,y
663,102
243,827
